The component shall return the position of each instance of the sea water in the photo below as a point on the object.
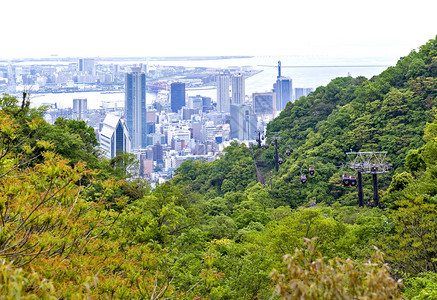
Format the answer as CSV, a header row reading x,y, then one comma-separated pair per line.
x,y
305,72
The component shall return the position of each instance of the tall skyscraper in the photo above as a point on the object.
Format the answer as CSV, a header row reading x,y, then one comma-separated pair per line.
x,y
135,107
283,90
238,89
243,122
114,137
223,99
79,109
177,100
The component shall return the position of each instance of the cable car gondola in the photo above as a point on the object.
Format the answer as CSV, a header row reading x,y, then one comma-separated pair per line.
x,y
288,152
273,143
303,179
353,180
311,171
280,161
345,180
262,137
266,146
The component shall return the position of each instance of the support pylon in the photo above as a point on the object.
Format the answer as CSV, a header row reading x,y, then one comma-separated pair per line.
x,y
368,163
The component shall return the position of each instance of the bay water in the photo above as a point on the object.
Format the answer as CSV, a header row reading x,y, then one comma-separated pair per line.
x,y
306,72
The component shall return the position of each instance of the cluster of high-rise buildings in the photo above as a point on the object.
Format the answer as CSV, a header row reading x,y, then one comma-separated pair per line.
x,y
181,127
176,126
162,135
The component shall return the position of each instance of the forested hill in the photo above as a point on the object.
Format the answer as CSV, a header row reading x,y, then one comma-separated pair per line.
x,y
385,113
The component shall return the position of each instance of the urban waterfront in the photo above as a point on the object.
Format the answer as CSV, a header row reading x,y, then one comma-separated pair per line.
x,y
305,72
172,110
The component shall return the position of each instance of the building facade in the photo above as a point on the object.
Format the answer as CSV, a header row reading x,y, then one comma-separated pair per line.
x,y
114,137
223,99
238,89
177,100
284,92
135,107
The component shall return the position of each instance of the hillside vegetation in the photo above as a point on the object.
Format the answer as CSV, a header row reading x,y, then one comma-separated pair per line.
x,y
74,226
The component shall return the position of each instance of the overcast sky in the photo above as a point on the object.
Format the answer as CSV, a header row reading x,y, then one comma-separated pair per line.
x,y
337,28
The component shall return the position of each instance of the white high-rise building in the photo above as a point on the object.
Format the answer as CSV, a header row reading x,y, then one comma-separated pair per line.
x,y
114,137
223,99
135,107
80,109
238,89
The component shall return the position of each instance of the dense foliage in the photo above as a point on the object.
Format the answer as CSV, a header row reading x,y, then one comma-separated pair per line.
x,y
385,113
73,225
307,275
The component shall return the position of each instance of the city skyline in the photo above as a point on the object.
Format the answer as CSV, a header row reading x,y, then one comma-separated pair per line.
x,y
334,28
192,129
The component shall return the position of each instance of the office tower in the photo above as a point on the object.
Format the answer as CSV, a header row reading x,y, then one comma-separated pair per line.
x,y
301,92
238,89
263,103
177,91
87,65
79,109
283,90
114,137
135,107
223,99
243,122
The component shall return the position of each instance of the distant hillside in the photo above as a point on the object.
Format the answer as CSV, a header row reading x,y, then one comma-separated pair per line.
x,y
386,113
